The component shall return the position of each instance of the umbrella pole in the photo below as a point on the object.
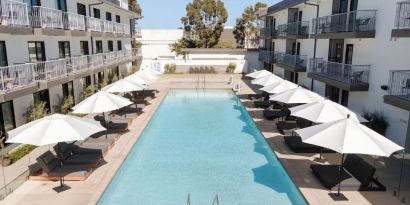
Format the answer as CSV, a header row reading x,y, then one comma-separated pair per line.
x,y
105,125
339,196
62,187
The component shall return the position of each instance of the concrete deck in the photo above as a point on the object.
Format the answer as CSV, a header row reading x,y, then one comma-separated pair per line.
x,y
89,191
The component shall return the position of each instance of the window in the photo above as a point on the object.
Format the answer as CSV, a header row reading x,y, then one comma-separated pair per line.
x,y
100,76
86,81
68,89
42,96
64,49
96,13
81,9
110,46
349,54
84,48
345,98
61,5
36,51
99,47
119,45
108,16
7,119
117,19
3,54
32,2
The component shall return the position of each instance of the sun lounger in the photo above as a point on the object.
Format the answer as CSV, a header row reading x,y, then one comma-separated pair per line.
x,y
99,145
117,125
297,146
287,127
51,169
76,149
357,175
262,104
274,114
258,96
68,157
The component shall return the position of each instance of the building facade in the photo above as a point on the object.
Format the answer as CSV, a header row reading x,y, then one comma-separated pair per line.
x,y
50,49
354,52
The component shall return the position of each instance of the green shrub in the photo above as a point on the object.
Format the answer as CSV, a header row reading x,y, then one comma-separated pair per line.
x,y
376,121
65,105
170,68
103,83
88,91
21,152
231,67
202,70
36,112
112,77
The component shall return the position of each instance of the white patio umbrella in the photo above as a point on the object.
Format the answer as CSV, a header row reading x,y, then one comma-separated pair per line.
x,y
152,71
123,86
137,79
278,87
146,75
324,111
259,74
266,80
101,102
296,95
53,129
347,136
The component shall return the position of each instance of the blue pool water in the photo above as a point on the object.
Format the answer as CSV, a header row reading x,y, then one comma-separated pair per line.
x,y
202,143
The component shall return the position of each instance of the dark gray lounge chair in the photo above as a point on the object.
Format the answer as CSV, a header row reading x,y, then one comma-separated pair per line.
x,y
357,175
68,157
262,104
275,113
76,149
51,166
287,127
297,146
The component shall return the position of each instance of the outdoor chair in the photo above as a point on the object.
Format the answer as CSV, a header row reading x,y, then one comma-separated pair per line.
x,y
288,126
296,144
76,149
68,157
357,76
52,169
357,175
275,113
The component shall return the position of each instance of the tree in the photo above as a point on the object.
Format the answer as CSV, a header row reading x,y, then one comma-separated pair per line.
x,y
180,44
134,6
204,22
247,25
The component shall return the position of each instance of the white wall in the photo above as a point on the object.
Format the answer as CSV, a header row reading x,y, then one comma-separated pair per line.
x,y
155,42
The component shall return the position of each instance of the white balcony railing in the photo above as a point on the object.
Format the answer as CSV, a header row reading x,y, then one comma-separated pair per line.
x,y
78,64
94,24
108,27
137,31
74,21
96,60
49,70
42,17
16,76
13,13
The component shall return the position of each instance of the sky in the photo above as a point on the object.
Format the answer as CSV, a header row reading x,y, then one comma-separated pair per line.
x,y
167,13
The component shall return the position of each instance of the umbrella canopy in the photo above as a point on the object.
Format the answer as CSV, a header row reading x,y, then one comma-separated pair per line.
x,y
324,111
122,86
146,75
278,87
259,74
53,129
266,80
296,95
152,71
137,79
101,102
347,136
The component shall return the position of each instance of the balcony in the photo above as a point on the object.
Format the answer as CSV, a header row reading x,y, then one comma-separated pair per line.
x,y
14,17
399,89
94,24
355,24
17,77
267,32
292,63
402,22
294,30
267,56
74,22
42,17
136,32
344,76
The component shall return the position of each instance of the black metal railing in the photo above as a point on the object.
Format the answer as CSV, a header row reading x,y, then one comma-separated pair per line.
x,y
267,32
294,61
294,28
351,74
402,15
354,21
399,83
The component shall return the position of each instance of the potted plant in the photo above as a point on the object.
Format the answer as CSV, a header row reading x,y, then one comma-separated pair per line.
x,y
231,67
5,158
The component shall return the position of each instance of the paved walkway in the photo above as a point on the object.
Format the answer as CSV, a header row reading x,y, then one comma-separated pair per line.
x,y
89,191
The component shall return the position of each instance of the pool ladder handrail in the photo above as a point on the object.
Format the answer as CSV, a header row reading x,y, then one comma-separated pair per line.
x,y
215,202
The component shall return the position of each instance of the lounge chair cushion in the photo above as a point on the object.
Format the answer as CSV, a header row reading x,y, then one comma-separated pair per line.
x,y
48,161
90,159
274,114
116,125
262,104
328,175
70,171
360,169
296,144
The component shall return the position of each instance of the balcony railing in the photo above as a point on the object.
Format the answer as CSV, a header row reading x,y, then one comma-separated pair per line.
x,y
350,74
136,31
42,17
74,21
403,15
399,84
293,61
355,21
267,56
16,76
78,64
294,28
49,70
267,32
108,26
94,24
14,13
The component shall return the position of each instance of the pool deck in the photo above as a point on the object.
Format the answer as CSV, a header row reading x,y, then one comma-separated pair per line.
x,y
297,165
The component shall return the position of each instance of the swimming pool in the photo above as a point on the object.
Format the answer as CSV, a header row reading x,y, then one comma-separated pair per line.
x,y
201,143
